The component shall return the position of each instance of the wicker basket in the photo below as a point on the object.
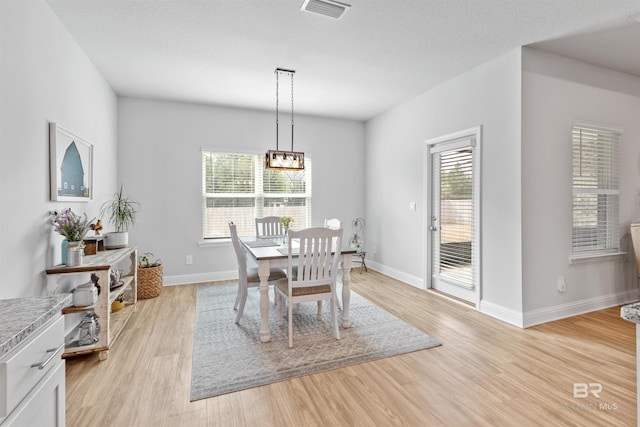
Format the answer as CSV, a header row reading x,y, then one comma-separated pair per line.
x,y
149,282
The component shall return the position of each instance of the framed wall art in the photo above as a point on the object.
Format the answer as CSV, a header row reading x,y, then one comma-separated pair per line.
x,y
71,164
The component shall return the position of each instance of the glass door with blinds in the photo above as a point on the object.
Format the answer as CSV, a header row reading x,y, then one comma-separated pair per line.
x,y
454,221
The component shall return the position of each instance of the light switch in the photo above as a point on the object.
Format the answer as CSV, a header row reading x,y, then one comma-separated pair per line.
x,y
412,206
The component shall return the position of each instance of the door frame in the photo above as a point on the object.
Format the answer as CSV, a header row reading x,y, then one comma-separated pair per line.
x,y
474,133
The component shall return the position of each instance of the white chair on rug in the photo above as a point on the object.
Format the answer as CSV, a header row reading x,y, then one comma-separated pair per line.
x,y
316,273
247,277
269,226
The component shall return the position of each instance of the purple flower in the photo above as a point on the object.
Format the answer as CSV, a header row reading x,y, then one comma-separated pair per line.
x,y
71,226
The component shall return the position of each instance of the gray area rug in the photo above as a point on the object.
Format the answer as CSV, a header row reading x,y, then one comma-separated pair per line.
x,y
229,357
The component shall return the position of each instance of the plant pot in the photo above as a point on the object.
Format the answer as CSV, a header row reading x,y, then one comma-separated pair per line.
x,y
149,281
116,240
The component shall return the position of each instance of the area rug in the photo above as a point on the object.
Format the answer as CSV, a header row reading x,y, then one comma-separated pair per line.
x,y
229,357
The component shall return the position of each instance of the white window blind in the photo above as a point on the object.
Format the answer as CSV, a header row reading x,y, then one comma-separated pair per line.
x,y
595,190
235,187
456,214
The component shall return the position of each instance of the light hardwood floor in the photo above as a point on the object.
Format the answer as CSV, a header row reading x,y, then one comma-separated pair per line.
x,y
486,373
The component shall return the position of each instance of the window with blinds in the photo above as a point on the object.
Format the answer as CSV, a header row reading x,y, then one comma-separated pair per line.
x,y
456,214
236,187
595,190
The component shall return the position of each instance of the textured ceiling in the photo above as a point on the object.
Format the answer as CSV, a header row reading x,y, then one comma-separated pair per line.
x,y
380,54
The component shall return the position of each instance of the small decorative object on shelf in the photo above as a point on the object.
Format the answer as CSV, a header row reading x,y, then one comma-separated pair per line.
x,y
97,227
85,295
89,330
118,303
149,276
93,244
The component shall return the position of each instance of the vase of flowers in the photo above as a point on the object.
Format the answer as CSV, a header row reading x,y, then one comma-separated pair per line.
x,y
73,228
285,221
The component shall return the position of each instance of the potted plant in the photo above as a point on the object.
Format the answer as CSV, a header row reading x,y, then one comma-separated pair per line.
x,y
357,225
121,212
149,276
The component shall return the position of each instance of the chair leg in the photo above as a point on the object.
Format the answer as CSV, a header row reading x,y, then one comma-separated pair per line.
x,y
290,322
320,310
334,317
243,300
235,305
279,308
337,300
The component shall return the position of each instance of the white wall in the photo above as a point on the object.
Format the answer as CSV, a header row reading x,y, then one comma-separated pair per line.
x,y
489,96
160,166
557,91
44,77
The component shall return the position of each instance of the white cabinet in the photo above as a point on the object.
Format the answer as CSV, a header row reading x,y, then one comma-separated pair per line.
x,y
111,323
32,379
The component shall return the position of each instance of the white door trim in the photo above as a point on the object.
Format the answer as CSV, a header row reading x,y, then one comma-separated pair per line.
x,y
475,134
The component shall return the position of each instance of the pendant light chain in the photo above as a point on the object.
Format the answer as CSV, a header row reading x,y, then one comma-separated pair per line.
x,y
292,112
277,92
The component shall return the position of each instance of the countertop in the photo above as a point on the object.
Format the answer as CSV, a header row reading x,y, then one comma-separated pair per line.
x,y
19,317
631,312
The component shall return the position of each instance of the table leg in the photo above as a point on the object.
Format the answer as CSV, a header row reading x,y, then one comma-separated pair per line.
x,y
263,273
346,290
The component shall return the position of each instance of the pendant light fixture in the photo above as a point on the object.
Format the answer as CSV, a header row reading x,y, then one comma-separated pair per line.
x,y
283,160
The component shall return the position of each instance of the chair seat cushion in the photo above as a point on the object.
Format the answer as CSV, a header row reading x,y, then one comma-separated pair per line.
x,y
283,286
274,274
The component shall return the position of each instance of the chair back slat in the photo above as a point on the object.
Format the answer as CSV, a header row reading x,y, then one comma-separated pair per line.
x,y
269,226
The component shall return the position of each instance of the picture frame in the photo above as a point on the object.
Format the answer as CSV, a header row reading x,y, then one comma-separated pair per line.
x,y
71,166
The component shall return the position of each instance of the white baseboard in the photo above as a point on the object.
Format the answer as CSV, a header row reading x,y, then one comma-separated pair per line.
x,y
397,274
199,278
501,313
513,317
548,314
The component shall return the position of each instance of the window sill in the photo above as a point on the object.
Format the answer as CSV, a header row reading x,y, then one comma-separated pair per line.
x,y
214,243
574,259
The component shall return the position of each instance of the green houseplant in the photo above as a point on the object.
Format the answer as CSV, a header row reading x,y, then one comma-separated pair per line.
x,y
121,212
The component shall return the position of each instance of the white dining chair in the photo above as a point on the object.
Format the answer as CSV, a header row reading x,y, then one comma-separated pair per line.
x,y
247,277
635,239
333,223
269,226
316,273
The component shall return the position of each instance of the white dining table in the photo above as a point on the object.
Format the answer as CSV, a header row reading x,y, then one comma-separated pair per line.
x,y
273,252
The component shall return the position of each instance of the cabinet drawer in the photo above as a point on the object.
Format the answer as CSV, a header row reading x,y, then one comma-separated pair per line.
x,y
17,375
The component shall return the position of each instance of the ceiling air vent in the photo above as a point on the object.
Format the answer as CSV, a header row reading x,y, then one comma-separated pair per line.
x,y
332,9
